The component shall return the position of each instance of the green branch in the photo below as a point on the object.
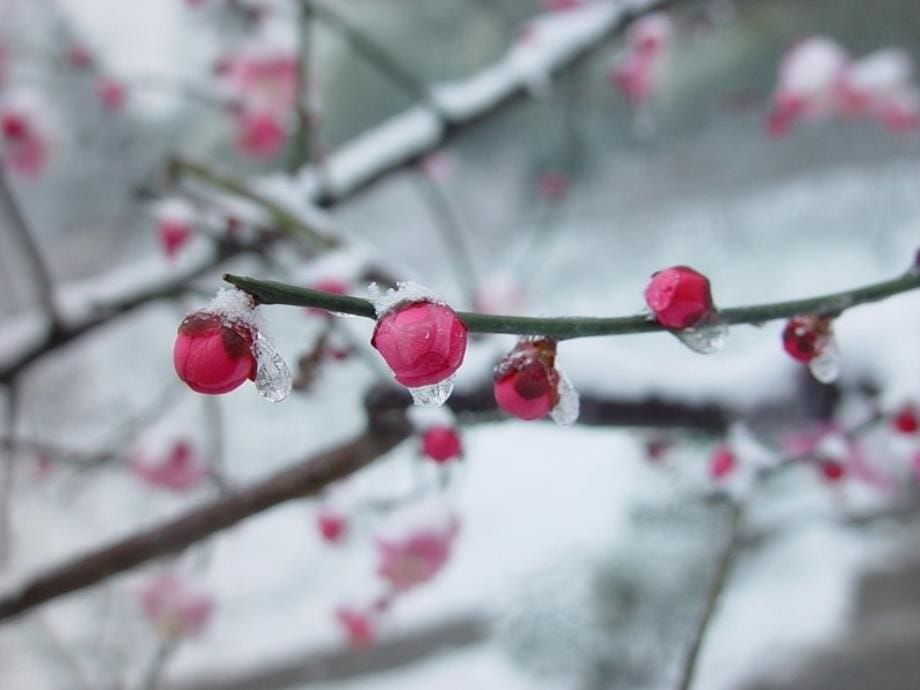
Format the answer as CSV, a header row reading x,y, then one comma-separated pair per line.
x,y
286,220
562,328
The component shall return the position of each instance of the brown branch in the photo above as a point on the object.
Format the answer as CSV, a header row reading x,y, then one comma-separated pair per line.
x,y
387,427
313,667
105,313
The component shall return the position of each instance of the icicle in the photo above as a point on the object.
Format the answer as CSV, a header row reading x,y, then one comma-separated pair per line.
x,y
707,338
566,410
434,395
273,378
826,366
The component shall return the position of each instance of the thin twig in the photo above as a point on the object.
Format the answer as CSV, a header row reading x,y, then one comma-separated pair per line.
x,y
562,328
459,255
720,578
302,141
40,273
374,54
8,476
287,221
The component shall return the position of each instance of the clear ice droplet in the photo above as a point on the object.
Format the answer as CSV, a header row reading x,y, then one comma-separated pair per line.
x,y
566,410
707,338
826,366
434,395
273,378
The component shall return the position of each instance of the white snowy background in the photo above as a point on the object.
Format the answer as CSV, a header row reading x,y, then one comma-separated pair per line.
x,y
560,526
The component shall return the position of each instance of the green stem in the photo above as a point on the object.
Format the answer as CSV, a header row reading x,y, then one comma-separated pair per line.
x,y
562,328
286,220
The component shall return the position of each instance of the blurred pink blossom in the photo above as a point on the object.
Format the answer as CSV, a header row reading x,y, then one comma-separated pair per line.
x,y
175,606
181,469
261,79
561,5
553,185
331,525
500,294
437,166
359,627
417,558
23,144
259,135
722,462
639,69
112,94
175,219
80,57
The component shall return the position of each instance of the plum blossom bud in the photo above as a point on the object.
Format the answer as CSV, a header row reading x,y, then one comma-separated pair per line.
x,y
528,386
112,94
212,355
810,339
24,143
722,462
417,558
181,469
905,420
423,342
679,297
441,444
637,72
879,85
331,525
832,470
358,626
809,76
806,337
175,219
259,135
176,607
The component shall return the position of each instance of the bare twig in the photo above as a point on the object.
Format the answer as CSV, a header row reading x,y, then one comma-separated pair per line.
x,y
41,275
376,55
388,427
717,585
459,255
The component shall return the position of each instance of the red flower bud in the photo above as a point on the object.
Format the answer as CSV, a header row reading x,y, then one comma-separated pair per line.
x,y
526,383
722,463
832,470
212,356
441,443
423,342
906,421
679,297
331,526
806,337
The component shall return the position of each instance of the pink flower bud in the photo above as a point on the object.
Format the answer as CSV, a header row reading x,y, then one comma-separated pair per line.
x,y
259,135
832,470
722,463
526,383
331,526
358,626
806,337
905,421
22,143
416,559
679,297
441,443
422,342
112,94
175,607
181,470
212,356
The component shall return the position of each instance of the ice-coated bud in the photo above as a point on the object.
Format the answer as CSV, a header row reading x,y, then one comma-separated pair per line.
x,y
679,297
806,337
423,342
441,444
526,383
213,356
